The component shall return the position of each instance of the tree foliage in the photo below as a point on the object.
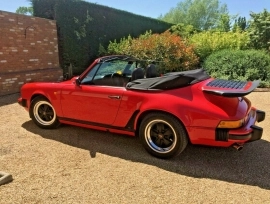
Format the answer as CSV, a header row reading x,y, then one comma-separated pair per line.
x,y
223,24
168,49
25,10
240,24
182,30
201,14
259,30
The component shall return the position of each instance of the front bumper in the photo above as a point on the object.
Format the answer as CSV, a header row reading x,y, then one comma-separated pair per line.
x,y
249,133
22,102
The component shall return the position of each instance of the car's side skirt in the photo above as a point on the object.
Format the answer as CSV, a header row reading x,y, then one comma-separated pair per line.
x,y
93,124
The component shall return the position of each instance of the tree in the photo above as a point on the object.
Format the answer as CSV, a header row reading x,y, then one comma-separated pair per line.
x,y
224,23
201,14
240,24
25,10
259,30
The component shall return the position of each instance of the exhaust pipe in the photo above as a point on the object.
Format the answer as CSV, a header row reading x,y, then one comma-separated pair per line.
x,y
238,147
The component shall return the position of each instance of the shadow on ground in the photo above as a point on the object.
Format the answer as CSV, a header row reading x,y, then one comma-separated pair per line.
x,y
249,166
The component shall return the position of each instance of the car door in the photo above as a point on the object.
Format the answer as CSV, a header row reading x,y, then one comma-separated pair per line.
x,y
97,98
97,104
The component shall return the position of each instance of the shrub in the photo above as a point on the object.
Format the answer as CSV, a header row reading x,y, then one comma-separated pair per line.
x,y
172,53
240,65
184,31
205,43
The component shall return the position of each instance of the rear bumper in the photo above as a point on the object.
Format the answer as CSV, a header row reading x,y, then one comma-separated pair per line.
x,y
249,133
260,115
256,134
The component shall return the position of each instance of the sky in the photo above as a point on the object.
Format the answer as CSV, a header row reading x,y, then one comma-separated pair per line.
x,y
155,8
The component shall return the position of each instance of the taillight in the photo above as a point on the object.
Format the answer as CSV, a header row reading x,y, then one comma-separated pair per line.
x,y
231,124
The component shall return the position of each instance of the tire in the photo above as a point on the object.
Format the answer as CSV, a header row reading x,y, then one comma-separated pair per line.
x,y
43,113
162,135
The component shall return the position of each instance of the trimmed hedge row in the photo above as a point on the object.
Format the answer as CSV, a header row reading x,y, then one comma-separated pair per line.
x,y
84,26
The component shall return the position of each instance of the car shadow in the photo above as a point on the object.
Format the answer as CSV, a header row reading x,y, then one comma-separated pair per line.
x,y
249,166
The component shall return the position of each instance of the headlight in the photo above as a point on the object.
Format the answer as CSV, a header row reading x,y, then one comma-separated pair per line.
x,y
231,124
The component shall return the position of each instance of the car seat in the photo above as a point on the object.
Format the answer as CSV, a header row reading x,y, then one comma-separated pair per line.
x,y
138,73
151,71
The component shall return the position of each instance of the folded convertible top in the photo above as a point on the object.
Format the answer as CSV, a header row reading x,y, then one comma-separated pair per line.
x,y
171,80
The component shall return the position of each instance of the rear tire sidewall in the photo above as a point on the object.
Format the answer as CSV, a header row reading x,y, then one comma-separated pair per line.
x,y
180,140
37,103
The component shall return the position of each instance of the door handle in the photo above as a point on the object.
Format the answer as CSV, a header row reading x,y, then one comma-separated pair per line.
x,y
114,97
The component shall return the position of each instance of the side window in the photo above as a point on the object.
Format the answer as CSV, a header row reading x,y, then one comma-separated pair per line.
x,y
89,77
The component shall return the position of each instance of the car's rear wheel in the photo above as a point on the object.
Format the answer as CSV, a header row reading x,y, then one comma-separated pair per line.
x,y
163,135
43,114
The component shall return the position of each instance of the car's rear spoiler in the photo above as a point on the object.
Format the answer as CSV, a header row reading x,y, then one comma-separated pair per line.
x,y
230,88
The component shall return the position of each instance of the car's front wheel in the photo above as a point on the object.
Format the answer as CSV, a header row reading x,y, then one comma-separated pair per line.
x,y
43,113
163,135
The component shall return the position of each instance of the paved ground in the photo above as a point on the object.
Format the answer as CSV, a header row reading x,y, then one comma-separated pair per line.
x,y
76,165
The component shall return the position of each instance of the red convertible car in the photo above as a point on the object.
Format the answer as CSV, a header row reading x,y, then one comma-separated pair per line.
x,y
167,112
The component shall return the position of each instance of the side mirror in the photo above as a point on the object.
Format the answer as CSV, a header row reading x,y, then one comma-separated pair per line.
x,y
78,82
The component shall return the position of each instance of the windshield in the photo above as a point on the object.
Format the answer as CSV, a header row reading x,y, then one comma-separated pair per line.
x,y
110,73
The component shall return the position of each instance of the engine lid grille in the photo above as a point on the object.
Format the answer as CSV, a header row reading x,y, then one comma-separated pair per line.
x,y
222,83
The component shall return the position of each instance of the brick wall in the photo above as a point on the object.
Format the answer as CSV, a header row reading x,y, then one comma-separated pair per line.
x,y
28,51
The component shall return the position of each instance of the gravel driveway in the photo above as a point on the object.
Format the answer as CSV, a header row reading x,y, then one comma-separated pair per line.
x,y
77,165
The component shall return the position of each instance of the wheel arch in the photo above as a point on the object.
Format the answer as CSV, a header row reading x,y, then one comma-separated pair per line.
x,y
43,117
143,114
35,96
38,95
54,100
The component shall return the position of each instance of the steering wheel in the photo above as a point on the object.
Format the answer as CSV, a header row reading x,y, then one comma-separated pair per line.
x,y
116,75
117,79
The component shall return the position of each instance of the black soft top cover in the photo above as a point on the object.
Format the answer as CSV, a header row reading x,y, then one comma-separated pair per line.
x,y
171,80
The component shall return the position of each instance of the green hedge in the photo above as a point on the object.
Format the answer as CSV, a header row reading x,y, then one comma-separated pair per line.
x,y
208,42
83,27
240,65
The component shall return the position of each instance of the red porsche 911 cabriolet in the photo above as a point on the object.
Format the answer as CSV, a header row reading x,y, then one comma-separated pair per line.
x,y
167,112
